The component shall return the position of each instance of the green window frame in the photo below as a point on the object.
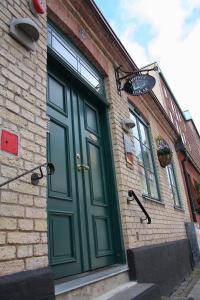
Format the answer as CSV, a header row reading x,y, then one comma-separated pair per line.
x,y
144,154
173,184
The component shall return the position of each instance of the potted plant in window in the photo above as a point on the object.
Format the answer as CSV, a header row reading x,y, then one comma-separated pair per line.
x,y
164,152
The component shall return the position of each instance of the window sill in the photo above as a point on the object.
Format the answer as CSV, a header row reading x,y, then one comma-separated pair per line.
x,y
179,208
152,199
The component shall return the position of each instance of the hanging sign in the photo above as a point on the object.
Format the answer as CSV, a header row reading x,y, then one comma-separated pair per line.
x,y
139,84
38,6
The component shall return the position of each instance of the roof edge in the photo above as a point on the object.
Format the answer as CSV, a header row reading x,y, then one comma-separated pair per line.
x,y
115,37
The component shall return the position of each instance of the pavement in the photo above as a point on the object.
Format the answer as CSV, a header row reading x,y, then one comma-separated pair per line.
x,y
195,292
189,289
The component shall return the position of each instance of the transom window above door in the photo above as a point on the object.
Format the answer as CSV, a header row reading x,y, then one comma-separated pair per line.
x,y
144,156
63,48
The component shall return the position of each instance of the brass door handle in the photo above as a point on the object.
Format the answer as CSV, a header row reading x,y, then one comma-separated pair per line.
x,y
83,167
86,167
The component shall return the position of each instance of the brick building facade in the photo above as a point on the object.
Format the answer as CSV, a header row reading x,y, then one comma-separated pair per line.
x,y
62,104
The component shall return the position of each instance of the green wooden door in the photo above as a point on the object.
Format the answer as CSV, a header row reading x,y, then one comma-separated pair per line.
x,y
80,225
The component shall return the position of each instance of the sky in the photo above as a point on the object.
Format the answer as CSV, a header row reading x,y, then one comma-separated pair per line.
x,y
166,32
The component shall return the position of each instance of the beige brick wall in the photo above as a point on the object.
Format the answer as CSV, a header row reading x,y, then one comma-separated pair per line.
x,y
23,224
167,222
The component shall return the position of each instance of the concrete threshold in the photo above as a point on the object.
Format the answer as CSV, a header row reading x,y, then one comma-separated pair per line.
x,y
93,277
117,290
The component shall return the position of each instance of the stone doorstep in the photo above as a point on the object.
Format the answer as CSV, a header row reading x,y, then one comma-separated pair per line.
x,y
117,290
110,278
133,291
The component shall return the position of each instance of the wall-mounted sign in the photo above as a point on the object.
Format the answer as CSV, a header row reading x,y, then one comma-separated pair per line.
x,y
9,142
139,84
129,150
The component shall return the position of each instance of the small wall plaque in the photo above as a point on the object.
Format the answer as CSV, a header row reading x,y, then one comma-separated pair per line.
x,y
129,150
9,142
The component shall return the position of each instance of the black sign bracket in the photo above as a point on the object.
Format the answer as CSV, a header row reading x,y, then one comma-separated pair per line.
x,y
129,75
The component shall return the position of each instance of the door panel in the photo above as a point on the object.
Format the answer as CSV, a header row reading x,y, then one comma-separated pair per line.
x,y
59,154
91,118
96,193
63,219
80,225
96,174
63,235
103,244
56,93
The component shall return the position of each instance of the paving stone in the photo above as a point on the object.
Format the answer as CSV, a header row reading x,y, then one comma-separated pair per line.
x,y
189,289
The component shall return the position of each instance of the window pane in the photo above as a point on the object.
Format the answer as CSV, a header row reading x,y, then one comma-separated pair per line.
x,y
147,158
90,77
138,151
171,173
173,185
49,37
72,56
175,194
134,129
56,93
152,184
64,52
143,180
144,135
168,176
144,157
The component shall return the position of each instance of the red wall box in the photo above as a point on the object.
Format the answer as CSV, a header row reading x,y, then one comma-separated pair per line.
x,y
39,6
9,142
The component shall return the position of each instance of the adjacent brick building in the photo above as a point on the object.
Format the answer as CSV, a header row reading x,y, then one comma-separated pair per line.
x,y
61,104
188,146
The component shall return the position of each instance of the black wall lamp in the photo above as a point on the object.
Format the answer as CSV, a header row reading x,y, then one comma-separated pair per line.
x,y
25,31
136,83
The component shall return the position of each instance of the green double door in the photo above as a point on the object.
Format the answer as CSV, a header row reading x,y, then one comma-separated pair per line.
x,y
80,225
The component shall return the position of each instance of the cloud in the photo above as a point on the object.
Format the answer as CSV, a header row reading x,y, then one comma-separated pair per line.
x,y
173,40
134,48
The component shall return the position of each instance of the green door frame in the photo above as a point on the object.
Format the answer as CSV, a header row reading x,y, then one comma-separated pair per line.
x,y
110,167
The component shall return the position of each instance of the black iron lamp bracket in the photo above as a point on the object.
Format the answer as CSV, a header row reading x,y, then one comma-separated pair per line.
x,y
129,75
